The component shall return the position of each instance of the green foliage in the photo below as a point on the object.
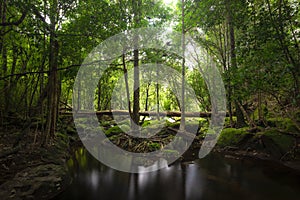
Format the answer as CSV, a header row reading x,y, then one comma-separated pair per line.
x,y
153,146
227,121
113,131
231,136
266,49
146,123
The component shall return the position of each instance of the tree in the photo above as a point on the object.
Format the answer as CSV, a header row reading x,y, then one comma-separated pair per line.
x,y
182,122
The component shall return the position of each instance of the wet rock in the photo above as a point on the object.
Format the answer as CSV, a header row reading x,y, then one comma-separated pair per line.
x,y
41,181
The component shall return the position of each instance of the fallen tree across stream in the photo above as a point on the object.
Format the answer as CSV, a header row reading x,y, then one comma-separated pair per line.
x,y
144,113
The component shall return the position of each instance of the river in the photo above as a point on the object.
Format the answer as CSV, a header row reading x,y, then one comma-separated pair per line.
x,y
213,177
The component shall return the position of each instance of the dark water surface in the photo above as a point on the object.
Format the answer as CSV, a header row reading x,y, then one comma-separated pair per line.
x,y
210,178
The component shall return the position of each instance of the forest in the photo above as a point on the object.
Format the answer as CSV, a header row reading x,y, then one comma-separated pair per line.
x,y
203,98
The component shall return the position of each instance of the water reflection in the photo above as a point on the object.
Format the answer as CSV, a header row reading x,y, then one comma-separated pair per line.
x,y
209,178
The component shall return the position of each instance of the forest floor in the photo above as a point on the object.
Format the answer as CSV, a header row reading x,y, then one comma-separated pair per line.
x,y
30,171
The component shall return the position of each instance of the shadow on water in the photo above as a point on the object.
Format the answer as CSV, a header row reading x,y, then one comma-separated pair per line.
x,y
210,178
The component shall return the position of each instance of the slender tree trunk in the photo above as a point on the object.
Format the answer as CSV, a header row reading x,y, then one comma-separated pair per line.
x,y
228,74
239,114
182,121
136,84
157,92
126,85
136,93
12,81
252,124
4,57
260,115
52,108
147,96
99,96
146,100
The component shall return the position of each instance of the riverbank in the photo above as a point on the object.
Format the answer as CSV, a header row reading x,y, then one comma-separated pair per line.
x,y
30,171
280,144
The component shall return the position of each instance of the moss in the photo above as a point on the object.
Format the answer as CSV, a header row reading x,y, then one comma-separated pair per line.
x,y
285,142
173,125
284,124
113,131
106,123
153,146
146,123
153,124
231,136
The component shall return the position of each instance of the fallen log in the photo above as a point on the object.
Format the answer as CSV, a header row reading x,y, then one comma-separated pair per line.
x,y
144,113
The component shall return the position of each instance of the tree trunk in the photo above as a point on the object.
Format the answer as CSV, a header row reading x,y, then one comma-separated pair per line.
x,y
52,108
99,96
239,114
126,84
4,56
157,93
136,84
182,121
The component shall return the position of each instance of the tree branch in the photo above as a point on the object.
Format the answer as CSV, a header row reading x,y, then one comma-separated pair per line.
x,y
60,69
16,23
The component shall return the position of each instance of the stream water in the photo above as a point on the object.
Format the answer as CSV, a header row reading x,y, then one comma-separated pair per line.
x,y
213,177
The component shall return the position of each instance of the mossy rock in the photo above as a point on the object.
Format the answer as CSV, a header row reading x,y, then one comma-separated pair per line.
x,y
173,125
153,146
232,136
284,124
283,141
113,131
154,123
